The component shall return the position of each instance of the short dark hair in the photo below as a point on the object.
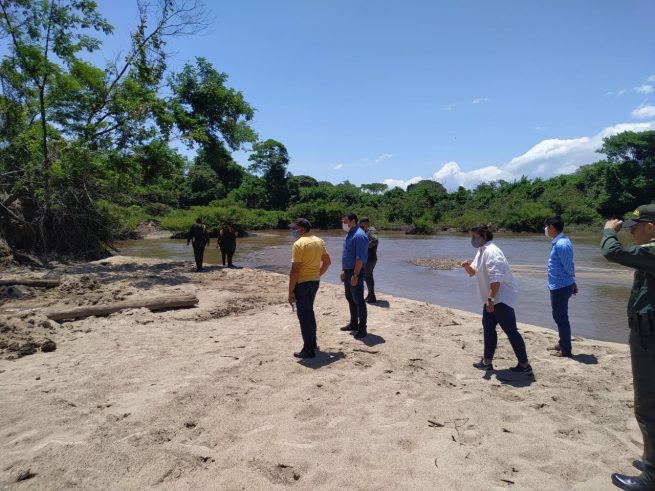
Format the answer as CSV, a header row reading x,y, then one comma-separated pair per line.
x,y
198,220
349,215
364,220
302,223
483,231
556,221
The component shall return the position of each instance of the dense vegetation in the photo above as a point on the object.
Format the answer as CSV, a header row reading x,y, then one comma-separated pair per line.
x,y
86,153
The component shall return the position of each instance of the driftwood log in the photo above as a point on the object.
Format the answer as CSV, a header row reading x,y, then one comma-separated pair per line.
x,y
37,282
154,303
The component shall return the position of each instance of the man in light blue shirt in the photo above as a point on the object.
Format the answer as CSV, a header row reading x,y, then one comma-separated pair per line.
x,y
353,266
561,282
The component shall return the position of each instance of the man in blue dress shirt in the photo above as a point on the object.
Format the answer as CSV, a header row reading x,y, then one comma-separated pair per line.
x,y
353,266
561,282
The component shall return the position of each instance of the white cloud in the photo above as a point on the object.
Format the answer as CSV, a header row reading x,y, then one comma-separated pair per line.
x,y
621,92
546,159
538,128
644,89
643,112
384,156
651,78
609,92
449,107
480,100
399,183
337,167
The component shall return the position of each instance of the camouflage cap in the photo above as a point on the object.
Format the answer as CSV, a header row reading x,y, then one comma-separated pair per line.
x,y
645,213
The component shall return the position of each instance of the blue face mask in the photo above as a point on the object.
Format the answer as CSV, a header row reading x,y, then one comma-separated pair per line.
x,y
294,233
477,242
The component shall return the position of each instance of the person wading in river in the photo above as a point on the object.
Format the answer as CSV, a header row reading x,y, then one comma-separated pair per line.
x,y
199,237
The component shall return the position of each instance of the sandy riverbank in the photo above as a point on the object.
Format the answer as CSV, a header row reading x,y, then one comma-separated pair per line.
x,y
211,398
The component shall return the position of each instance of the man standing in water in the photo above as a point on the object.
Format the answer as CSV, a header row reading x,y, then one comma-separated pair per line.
x,y
561,282
641,320
227,242
199,237
372,235
309,261
353,264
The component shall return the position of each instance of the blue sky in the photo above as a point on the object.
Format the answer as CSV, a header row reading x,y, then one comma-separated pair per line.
x,y
460,91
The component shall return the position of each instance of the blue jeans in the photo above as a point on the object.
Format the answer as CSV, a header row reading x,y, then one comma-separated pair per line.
x,y
504,315
559,302
355,297
305,294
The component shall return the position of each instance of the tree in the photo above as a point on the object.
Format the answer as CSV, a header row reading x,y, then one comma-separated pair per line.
x,y
211,116
270,160
68,136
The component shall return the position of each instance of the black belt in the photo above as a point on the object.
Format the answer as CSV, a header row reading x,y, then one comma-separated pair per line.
x,y
643,323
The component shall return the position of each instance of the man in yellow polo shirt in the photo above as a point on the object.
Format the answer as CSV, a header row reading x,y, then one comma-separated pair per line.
x,y
309,260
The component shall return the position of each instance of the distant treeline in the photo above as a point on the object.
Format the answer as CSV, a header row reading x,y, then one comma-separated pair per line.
x,y
88,152
607,188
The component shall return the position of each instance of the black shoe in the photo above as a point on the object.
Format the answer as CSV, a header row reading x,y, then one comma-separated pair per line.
x,y
348,327
630,483
639,465
305,354
484,366
371,299
519,369
360,334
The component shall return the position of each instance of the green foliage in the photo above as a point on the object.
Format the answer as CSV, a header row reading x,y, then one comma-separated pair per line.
x,y
214,216
270,160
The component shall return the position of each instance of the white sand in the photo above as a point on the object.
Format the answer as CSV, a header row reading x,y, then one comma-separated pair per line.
x,y
211,397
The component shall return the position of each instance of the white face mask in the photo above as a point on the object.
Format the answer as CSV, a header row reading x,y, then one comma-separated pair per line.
x,y
345,227
546,233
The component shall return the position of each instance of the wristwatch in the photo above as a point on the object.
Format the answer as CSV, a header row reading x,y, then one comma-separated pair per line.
x,y
491,298
356,275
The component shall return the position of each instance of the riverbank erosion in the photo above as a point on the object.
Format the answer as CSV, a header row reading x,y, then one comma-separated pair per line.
x,y
210,397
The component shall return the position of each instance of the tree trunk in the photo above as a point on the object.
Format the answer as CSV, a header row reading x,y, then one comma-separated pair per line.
x,y
36,282
155,303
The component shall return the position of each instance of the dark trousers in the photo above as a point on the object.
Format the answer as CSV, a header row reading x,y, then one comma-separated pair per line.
x,y
355,297
198,252
642,354
370,282
305,294
227,250
559,302
504,315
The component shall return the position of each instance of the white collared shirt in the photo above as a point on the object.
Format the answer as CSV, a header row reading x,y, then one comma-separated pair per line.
x,y
491,266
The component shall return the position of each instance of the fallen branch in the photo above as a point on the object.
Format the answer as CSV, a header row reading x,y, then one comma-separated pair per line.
x,y
155,303
37,282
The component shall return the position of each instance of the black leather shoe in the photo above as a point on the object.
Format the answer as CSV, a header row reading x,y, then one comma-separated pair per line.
x,y
371,299
360,334
305,354
348,327
630,483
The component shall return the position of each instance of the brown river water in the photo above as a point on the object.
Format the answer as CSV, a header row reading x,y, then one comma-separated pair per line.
x,y
597,312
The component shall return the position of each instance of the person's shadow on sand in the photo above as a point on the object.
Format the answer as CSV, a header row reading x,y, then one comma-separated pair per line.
x,y
585,358
372,340
380,303
507,377
322,359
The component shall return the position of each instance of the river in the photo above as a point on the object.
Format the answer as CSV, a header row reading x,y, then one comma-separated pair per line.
x,y
597,312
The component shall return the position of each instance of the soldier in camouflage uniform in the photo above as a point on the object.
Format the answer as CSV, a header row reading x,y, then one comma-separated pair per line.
x,y
641,319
